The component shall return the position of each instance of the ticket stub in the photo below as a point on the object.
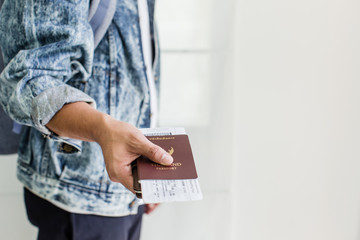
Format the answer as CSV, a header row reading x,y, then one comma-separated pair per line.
x,y
155,191
168,190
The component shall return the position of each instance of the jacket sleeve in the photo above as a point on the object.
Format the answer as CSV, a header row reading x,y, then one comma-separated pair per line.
x,y
46,44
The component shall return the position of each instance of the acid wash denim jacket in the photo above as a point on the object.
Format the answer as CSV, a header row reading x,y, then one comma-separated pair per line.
x,y
50,61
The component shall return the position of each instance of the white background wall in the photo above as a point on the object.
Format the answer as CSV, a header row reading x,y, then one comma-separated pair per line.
x,y
269,94
298,99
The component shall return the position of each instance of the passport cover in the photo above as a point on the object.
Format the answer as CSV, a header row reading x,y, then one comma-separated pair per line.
x,y
183,167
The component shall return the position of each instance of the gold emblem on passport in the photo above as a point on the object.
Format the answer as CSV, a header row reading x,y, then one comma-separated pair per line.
x,y
171,151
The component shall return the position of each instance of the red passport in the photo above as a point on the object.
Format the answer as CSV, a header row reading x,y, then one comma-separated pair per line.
x,y
183,167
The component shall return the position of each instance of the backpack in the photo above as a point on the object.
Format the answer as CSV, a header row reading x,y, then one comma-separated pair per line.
x,y
101,13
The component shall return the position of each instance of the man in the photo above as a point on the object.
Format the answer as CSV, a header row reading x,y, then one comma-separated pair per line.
x,y
64,91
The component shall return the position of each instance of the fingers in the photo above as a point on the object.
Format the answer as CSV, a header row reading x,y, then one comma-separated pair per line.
x,y
129,184
157,154
121,174
149,208
153,152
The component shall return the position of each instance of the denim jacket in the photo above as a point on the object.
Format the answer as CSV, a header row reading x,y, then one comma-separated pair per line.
x,y
50,61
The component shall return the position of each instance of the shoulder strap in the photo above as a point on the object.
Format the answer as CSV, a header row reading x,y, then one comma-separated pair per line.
x,y
9,141
100,19
101,14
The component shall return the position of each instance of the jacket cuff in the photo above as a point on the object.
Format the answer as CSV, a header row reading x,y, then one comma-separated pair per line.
x,y
49,102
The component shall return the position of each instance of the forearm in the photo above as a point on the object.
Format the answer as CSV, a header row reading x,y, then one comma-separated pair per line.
x,y
121,142
80,121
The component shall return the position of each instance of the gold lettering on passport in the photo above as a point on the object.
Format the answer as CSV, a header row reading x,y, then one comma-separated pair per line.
x,y
172,165
161,138
166,168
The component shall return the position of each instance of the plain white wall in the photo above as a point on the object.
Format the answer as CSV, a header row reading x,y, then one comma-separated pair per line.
x,y
298,100
13,221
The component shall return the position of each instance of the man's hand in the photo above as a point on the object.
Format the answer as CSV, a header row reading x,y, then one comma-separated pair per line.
x,y
150,207
120,142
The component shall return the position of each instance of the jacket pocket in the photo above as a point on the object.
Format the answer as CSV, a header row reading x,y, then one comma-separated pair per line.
x,y
79,179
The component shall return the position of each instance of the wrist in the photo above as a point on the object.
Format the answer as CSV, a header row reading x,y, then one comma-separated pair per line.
x,y
102,128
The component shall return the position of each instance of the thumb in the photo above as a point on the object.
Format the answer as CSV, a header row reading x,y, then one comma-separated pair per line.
x,y
155,153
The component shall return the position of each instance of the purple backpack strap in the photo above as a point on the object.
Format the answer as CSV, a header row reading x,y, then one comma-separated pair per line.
x,y
101,18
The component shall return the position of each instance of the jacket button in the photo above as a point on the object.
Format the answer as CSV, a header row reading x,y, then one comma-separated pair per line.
x,y
67,148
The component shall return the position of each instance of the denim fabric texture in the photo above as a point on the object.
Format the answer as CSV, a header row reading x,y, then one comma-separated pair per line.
x,y
50,61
